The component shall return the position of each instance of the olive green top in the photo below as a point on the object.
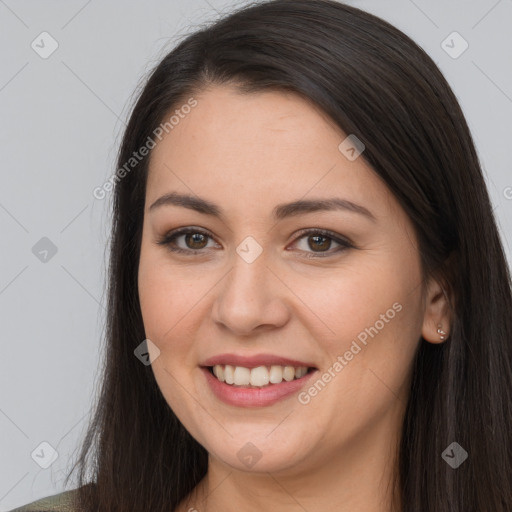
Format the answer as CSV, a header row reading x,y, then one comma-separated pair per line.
x,y
61,502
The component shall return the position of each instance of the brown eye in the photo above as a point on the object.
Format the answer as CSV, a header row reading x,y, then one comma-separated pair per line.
x,y
195,240
321,243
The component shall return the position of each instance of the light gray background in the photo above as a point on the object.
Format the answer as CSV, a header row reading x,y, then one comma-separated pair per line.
x,y
60,125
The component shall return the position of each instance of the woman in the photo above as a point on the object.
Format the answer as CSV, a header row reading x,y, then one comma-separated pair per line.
x,y
309,303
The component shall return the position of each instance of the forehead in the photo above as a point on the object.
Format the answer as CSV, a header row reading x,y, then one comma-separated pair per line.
x,y
264,147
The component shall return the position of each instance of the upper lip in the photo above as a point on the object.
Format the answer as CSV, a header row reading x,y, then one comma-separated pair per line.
x,y
254,361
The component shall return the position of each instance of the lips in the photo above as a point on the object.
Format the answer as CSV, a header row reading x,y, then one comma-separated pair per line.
x,y
254,361
250,397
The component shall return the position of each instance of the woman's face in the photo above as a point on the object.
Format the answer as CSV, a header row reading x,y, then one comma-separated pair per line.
x,y
258,278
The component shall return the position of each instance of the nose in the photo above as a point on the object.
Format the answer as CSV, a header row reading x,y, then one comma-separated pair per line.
x,y
251,299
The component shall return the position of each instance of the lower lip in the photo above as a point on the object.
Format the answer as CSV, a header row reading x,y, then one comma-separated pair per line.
x,y
254,397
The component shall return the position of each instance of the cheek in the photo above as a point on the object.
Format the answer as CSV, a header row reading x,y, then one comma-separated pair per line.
x,y
155,299
347,300
167,306
371,313
173,306
160,305
371,319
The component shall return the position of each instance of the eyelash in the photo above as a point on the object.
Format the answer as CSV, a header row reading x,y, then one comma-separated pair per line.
x,y
169,239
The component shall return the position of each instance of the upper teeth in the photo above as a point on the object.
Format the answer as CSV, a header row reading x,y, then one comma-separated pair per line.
x,y
260,376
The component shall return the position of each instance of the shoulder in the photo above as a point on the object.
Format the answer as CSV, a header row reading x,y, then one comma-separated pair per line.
x,y
62,502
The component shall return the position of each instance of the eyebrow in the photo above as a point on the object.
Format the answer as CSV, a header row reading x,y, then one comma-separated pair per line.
x,y
280,212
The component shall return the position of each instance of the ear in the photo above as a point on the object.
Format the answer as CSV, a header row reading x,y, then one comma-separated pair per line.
x,y
437,317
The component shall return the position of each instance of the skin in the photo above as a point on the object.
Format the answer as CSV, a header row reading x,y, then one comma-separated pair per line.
x,y
247,154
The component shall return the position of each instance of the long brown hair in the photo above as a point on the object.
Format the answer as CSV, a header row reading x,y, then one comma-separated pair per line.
x,y
375,82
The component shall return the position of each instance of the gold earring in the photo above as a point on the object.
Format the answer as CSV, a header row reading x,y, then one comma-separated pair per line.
x,y
442,334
